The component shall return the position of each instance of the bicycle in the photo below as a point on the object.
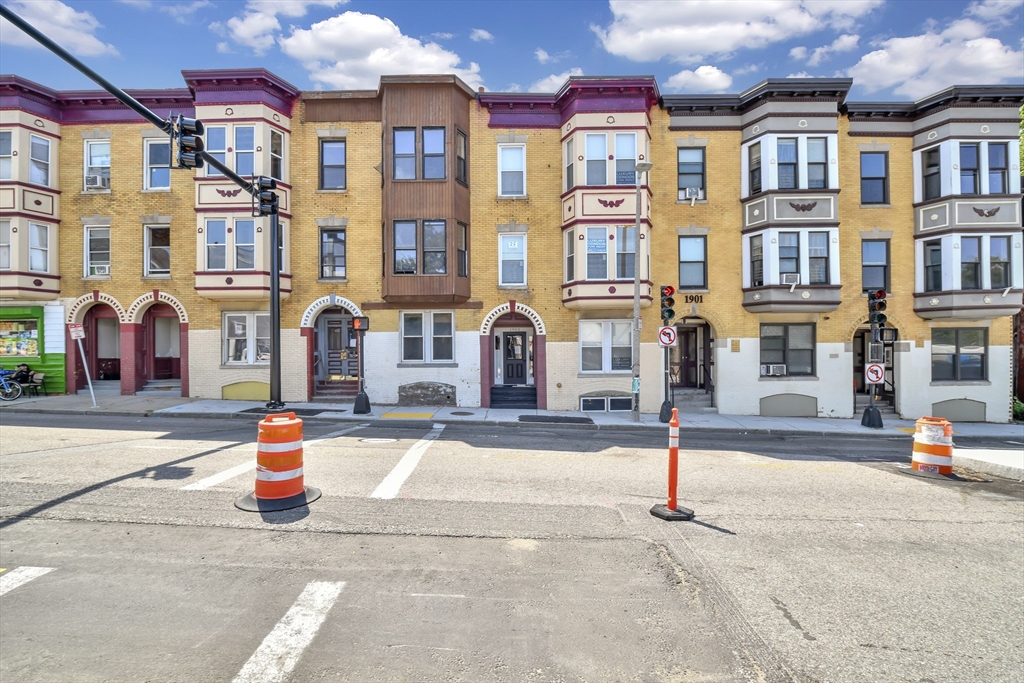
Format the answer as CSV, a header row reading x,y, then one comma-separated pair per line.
x,y
9,389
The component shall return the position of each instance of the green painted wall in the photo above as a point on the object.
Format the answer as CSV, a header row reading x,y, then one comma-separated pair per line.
x,y
52,364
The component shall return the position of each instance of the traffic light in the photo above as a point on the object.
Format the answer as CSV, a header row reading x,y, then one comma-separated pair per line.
x,y
266,197
190,144
876,306
667,302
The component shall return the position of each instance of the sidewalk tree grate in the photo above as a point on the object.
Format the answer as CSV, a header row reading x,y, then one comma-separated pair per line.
x,y
556,419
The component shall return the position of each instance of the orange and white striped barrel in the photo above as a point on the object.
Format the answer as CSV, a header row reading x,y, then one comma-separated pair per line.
x,y
933,446
279,457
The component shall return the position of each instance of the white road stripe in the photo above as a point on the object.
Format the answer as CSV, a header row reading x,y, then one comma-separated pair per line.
x,y
279,652
249,466
22,575
393,482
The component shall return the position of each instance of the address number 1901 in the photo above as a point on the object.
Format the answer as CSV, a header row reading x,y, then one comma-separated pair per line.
x,y
693,299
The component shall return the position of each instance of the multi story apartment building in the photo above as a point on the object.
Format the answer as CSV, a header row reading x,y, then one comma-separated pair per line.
x,y
492,241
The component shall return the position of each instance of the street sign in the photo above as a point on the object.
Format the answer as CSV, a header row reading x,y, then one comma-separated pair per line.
x,y
874,373
667,336
77,330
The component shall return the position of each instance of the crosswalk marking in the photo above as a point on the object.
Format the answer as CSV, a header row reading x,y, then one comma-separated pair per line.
x,y
393,482
19,576
279,652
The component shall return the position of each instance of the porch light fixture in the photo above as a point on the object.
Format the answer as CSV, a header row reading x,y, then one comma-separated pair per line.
x,y
641,168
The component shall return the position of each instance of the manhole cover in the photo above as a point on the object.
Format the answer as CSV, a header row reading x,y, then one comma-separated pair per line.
x,y
378,440
462,413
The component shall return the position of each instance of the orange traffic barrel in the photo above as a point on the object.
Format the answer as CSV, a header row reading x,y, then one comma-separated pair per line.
x,y
933,446
279,475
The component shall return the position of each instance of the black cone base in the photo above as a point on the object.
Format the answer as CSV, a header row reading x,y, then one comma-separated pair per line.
x,y
251,503
362,406
872,418
678,515
666,412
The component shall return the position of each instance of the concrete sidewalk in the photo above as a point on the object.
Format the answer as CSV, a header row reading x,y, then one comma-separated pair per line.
x,y
1007,463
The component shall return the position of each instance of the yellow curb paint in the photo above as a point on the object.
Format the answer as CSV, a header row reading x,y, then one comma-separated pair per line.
x,y
908,430
407,415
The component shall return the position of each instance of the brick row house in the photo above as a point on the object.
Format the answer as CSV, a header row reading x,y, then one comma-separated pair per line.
x,y
492,241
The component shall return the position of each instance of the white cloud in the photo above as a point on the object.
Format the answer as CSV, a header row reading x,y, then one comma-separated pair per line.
x,y
843,43
799,52
513,87
688,31
352,50
747,69
542,56
479,34
257,27
72,30
554,81
704,78
916,66
223,48
992,10
802,74
143,4
181,13
442,35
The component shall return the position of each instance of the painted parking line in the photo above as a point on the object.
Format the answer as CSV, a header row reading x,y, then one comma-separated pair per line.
x,y
279,652
393,482
221,477
20,576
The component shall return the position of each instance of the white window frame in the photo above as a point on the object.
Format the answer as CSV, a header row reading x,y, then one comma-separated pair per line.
x,y
102,170
770,255
609,260
620,239
224,245
607,327
36,249
148,167
279,157
570,265
251,351
949,168
951,249
9,157
502,170
618,156
240,153
5,245
587,158
427,336
220,154
148,249
236,245
33,160
770,166
90,266
569,167
502,258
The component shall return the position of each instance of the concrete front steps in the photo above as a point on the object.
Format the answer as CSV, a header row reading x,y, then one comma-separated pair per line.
x,y
862,401
693,401
161,387
328,391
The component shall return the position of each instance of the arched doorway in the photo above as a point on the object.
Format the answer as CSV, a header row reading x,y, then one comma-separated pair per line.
x,y
101,351
155,346
332,349
691,365
513,358
865,352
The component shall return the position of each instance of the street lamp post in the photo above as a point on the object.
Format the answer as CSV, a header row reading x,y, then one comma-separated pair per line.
x,y
641,168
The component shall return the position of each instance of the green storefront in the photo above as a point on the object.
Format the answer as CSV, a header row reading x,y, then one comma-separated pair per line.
x,y
23,340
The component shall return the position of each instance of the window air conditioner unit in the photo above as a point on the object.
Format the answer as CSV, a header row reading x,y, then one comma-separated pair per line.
x,y
692,192
791,278
101,270
773,370
96,182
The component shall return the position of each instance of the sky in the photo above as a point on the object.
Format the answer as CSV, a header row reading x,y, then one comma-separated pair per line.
x,y
895,50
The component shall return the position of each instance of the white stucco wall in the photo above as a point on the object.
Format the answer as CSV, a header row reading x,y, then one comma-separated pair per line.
x,y
207,376
917,393
563,366
383,376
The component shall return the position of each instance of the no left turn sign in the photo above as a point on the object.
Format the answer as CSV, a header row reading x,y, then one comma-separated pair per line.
x,y
667,336
874,373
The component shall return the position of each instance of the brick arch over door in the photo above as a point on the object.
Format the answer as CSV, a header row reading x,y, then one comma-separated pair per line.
x,y
306,329
540,373
78,308
75,313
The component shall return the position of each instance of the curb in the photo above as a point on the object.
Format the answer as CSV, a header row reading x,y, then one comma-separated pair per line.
x,y
990,468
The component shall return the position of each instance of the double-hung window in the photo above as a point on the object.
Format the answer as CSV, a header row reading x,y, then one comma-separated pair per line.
x,y
690,162
428,337
245,245
461,150
5,245
754,170
511,170
417,242
606,346
597,159
39,160
216,245
958,354
332,165
693,270
757,261
874,269
97,251
625,158
970,263
570,255
97,164
462,250
6,155
997,168
435,248
405,153
999,262
158,250
216,146
332,253
788,345
246,338
933,266
245,150
789,253
817,163
158,165
39,247
570,165
817,257
969,181
597,253
787,165
276,155
874,178
433,154
932,173
512,260
406,253
625,252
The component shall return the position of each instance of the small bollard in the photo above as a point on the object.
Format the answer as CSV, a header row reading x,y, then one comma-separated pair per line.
x,y
671,512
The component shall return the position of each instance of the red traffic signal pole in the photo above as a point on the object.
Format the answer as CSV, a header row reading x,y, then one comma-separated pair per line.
x,y
671,512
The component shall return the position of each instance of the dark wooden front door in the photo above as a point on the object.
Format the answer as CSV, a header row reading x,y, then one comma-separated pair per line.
x,y
688,357
515,357
340,350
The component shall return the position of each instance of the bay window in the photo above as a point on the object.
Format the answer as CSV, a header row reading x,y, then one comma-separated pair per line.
x,y
999,262
570,255
404,153
817,258
970,263
597,159
969,169
625,252
39,160
570,165
276,155
932,179
597,253
997,168
625,159
39,247
6,155
216,245
245,150
817,163
433,154
245,245
787,157
216,146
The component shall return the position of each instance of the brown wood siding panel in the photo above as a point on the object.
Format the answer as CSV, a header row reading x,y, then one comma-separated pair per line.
x,y
343,110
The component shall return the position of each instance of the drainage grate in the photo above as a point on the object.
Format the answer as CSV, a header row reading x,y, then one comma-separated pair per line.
x,y
556,419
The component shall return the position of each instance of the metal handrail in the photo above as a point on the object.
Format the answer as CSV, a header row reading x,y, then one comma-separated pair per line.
x,y
708,381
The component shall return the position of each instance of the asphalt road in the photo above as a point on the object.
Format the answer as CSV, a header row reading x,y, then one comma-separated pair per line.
x,y
513,554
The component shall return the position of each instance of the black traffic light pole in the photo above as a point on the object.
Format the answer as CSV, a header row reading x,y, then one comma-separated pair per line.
x,y
254,189
876,304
